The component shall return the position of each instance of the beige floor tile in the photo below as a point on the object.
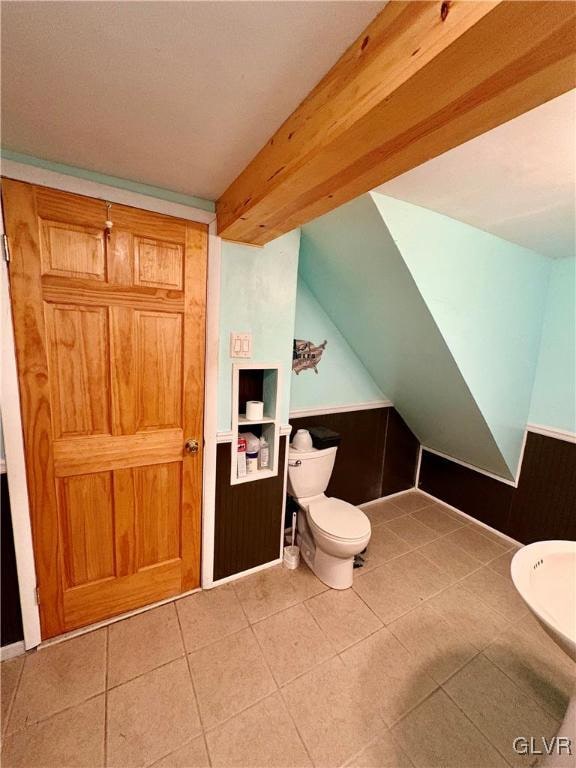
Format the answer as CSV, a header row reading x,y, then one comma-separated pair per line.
x,y
292,643
74,739
305,583
191,755
332,717
437,519
210,615
143,642
476,544
437,645
263,735
414,533
492,534
502,564
10,672
400,585
343,616
412,501
382,753
266,592
381,512
476,623
59,677
389,678
498,592
499,708
229,676
151,716
384,546
450,558
438,735
545,674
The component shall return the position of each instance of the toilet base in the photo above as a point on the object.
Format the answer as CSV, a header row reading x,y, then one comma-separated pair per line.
x,y
335,572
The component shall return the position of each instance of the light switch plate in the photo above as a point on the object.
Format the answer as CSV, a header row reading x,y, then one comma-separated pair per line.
x,y
240,344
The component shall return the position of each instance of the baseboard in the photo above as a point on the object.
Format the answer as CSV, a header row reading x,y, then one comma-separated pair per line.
x,y
12,650
321,411
241,574
386,498
472,519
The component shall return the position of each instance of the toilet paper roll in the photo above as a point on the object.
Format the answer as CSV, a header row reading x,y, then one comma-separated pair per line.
x,y
254,409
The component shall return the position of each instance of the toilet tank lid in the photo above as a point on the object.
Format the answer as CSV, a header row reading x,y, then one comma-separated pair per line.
x,y
311,453
338,518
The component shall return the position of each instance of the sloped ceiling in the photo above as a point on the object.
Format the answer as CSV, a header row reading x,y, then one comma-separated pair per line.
x,y
517,181
356,271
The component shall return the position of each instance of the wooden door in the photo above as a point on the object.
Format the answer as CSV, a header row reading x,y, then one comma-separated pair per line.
x,y
109,329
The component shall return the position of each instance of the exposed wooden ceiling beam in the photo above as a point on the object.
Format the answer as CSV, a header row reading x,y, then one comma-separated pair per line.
x,y
423,77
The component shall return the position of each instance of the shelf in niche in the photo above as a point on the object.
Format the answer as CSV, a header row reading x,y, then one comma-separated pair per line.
x,y
242,420
260,474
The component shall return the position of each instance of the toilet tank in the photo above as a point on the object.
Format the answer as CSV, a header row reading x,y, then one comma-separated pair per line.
x,y
310,477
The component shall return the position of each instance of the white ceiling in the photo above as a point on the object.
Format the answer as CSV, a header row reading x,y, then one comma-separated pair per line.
x,y
177,94
517,181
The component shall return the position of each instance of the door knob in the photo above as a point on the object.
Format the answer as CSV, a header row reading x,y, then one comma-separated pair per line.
x,y
191,446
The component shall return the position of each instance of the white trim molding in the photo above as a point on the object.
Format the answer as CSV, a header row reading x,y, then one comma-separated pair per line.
x,y
16,466
249,572
210,404
323,410
78,186
559,434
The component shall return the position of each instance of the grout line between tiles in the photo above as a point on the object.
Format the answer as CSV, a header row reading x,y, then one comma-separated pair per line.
x,y
191,677
4,728
106,697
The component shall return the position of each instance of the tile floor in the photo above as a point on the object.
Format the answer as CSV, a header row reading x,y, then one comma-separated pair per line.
x,y
430,660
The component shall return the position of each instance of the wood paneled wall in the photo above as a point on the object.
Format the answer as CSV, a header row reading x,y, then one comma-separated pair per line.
x,y
11,619
248,517
377,456
542,507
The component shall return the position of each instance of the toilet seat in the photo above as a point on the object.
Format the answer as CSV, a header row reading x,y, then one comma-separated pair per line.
x,y
338,520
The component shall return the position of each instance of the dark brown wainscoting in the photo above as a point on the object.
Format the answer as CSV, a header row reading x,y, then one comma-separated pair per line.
x,y
248,517
377,456
542,507
10,616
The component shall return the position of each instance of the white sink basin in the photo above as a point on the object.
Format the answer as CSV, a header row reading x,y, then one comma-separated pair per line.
x,y
544,573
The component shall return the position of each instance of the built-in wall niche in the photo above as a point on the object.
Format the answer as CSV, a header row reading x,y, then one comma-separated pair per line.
x,y
255,381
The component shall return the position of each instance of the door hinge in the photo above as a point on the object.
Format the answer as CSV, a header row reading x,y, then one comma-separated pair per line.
x,y
5,248
37,595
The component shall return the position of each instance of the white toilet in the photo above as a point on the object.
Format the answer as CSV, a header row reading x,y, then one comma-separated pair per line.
x,y
330,531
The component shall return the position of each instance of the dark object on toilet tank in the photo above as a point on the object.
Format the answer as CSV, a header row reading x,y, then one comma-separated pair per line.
x,y
322,437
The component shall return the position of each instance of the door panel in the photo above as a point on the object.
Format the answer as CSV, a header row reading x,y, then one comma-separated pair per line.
x,y
159,341
79,369
157,505
87,520
109,328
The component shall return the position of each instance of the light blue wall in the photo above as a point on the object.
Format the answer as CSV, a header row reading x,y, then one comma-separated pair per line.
x,y
554,396
354,268
258,295
341,377
113,181
487,297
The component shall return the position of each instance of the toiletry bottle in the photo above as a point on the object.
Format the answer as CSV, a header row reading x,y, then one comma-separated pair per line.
x,y
241,457
264,455
252,448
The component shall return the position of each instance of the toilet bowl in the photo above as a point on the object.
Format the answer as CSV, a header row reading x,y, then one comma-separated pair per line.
x,y
331,532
